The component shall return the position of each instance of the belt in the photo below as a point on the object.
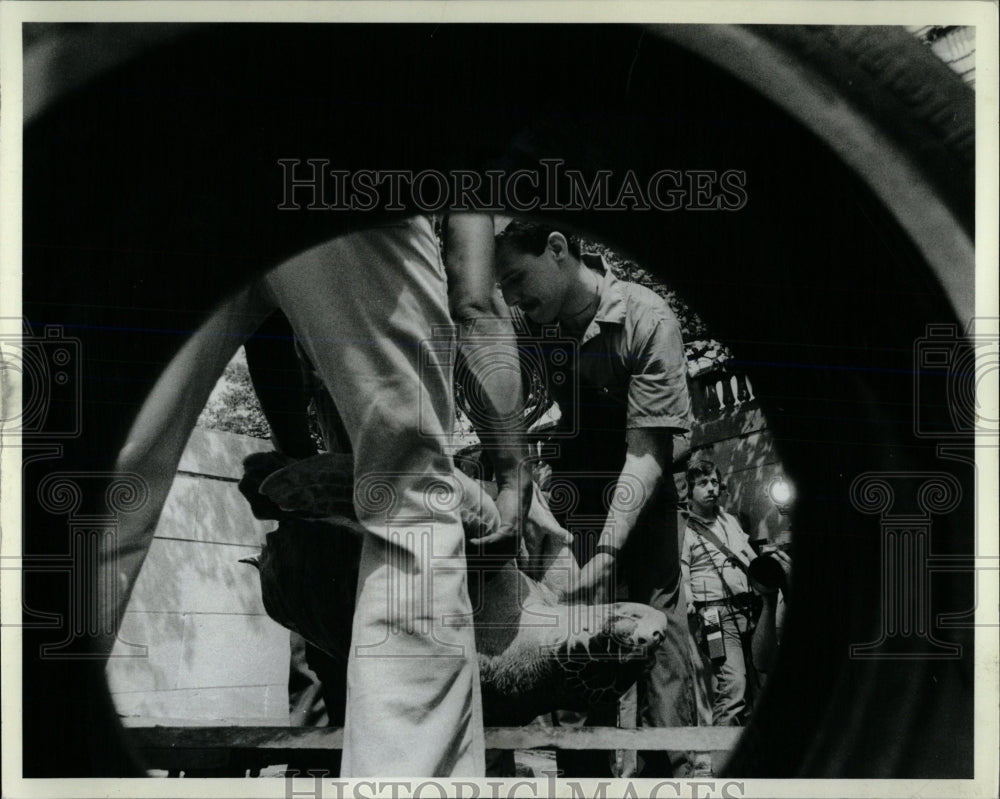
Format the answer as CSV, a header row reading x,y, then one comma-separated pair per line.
x,y
745,600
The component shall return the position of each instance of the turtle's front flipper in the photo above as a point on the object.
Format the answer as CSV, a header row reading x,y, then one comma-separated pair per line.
x,y
256,469
314,488
537,654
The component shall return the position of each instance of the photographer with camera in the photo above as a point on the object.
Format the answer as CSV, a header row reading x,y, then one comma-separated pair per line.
x,y
715,561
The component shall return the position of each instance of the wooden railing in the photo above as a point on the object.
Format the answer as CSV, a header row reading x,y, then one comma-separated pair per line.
x,y
226,749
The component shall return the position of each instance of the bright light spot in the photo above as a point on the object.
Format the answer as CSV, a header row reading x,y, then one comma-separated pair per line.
x,y
780,491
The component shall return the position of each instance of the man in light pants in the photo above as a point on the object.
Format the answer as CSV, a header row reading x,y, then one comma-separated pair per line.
x,y
366,307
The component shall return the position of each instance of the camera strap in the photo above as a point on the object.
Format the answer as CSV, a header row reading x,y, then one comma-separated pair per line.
x,y
705,531
748,613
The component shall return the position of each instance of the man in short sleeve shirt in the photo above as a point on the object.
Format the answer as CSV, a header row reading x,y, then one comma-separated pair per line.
x,y
625,416
716,578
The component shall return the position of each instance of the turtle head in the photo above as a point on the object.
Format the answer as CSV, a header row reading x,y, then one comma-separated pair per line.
x,y
635,630
602,667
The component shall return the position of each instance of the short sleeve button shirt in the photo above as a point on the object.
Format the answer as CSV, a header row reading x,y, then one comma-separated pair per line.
x,y
632,350
708,566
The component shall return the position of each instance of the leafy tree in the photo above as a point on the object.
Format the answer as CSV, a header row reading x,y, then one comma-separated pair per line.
x,y
692,326
233,406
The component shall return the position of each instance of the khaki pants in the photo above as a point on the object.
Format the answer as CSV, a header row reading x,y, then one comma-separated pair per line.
x,y
371,311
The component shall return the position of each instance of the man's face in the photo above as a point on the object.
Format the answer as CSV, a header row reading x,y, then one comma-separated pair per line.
x,y
705,493
534,283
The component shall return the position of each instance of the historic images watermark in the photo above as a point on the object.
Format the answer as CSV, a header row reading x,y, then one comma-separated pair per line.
x,y
321,786
40,374
949,369
41,408
314,184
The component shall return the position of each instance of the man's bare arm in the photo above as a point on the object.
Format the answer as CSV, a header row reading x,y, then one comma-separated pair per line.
x,y
488,365
647,459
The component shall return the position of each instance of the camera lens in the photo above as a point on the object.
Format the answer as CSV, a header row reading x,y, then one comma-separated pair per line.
x,y
767,573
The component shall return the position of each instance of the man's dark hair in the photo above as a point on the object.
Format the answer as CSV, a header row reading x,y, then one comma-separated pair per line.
x,y
700,468
533,238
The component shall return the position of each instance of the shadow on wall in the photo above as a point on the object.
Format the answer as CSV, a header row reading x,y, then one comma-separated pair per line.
x,y
731,430
195,642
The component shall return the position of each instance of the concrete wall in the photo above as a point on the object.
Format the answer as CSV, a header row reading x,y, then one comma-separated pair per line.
x,y
212,652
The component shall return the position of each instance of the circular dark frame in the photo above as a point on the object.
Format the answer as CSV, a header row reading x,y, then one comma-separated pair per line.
x,y
150,192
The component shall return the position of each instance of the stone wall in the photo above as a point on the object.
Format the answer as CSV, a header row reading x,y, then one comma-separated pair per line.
x,y
211,651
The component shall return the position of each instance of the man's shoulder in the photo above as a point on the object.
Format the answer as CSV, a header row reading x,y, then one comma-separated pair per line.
x,y
721,517
645,305
730,521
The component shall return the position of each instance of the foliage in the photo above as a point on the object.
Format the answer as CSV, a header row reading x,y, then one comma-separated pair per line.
x,y
233,407
692,326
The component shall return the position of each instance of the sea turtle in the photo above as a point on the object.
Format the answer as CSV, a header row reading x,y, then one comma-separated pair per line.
x,y
537,652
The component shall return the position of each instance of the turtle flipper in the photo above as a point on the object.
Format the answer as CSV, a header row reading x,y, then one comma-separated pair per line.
x,y
314,488
256,469
599,668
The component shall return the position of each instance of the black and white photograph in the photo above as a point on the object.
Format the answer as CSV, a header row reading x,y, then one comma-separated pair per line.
x,y
499,399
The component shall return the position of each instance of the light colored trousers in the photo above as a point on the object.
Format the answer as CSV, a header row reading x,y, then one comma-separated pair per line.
x,y
371,310
731,685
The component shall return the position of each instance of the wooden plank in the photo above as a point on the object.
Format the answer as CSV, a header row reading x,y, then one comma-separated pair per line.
x,y
241,704
320,738
156,669
202,665
675,738
232,651
286,738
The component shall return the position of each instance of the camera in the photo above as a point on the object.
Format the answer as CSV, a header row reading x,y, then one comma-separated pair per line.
x,y
541,360
945,378
49,370
711,631
765,572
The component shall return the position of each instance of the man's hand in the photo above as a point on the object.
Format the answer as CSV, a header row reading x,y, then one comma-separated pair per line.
x,y
595,581
785,561
511,504
543,535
